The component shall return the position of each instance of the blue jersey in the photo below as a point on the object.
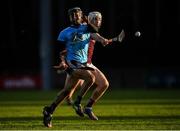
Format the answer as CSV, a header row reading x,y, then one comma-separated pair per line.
x,y
77,42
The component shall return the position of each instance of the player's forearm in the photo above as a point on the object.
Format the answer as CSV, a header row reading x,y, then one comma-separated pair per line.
x,y
63,55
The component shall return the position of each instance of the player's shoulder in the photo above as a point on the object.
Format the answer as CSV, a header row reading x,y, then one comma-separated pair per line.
x,y
82,27
66,31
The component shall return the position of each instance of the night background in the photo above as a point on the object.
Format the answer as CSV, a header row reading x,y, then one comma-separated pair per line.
x,y
29,29
143,72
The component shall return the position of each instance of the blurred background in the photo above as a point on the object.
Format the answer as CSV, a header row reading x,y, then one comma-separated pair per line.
x,y
28,46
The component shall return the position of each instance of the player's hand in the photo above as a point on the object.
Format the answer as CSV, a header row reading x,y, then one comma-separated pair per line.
x,y
84,19
105,42
61,66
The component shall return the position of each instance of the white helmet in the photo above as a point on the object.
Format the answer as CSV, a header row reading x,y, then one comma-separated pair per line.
x,y
92,17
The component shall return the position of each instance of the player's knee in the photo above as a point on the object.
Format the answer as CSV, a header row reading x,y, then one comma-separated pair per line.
x,y
104,85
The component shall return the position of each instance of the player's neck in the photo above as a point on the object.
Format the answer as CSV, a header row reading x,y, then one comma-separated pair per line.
x,y
75,25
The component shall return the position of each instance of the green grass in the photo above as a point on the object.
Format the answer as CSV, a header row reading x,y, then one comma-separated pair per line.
x,y
117,110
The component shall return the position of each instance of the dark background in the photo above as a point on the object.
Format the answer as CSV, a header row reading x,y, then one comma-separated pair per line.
x,y
157,20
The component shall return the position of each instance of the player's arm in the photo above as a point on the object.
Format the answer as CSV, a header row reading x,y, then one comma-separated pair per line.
x,y
99,38
105,41
84,19
96,36
62,55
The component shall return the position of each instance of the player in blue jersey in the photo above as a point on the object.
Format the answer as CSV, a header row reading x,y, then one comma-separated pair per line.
x,y
101,82
76,39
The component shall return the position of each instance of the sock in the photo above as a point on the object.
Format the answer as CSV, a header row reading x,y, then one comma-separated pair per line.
x,y
90,103
52,108
78,100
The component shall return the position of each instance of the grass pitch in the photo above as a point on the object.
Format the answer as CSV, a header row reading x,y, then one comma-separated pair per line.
x,y
117,110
